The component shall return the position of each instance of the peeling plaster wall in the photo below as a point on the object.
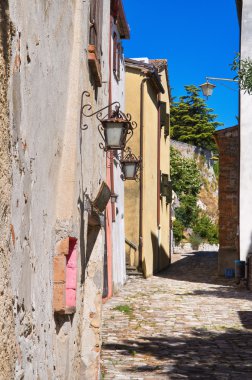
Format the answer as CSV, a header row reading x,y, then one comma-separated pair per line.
x,y
55,165
118,232
7,337
245,140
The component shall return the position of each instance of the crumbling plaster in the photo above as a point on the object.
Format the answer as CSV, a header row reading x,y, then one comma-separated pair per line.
x,y
55,165
7,338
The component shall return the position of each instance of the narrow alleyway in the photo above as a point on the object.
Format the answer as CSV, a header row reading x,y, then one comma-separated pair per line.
x,y
185,323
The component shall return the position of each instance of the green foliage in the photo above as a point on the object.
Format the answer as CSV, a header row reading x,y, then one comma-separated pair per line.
x,y
206,229
185,175
188,210
192,121
243,69
216,168
195,240
178,229
187,180
132,352
124,309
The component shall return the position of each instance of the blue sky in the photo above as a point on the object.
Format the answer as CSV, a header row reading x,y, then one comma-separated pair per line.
x,y
199,38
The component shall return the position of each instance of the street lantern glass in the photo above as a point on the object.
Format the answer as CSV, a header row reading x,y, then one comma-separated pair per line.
x,y
129,169
115,133
207,88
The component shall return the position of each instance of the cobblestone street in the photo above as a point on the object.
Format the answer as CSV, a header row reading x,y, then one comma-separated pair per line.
x,y
185,323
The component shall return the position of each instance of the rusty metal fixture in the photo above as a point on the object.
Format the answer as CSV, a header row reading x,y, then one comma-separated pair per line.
x,y
113,197
130,165
116,128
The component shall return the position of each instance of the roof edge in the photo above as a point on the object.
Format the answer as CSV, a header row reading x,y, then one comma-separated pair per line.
x,y
148,70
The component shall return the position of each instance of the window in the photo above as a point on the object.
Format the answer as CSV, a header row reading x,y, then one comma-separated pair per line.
x,y
95,40
117,54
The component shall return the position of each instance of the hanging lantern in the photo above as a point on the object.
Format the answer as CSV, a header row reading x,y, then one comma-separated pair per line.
x,y
207,88
115,128
114,131
130,165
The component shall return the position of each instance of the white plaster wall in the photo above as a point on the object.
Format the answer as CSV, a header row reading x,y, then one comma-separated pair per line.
x,y
118,231
245,142
54,165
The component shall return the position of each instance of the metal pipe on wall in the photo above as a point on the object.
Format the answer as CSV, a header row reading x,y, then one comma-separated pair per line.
x,y
158,180
141,173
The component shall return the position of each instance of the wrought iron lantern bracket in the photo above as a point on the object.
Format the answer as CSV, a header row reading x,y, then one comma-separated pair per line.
x,y
116,117
129,159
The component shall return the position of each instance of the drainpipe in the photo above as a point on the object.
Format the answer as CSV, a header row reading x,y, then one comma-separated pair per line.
x,y
158,180
110,177
141,174
111,153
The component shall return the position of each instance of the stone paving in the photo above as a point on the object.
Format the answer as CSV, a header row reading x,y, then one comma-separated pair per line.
x,y
185,323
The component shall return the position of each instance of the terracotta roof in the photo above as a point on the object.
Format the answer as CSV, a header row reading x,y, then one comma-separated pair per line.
x,y
159,64
224,131
147,69
117,11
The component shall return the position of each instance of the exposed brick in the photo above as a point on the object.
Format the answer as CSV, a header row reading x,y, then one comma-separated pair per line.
x,y
59,297
62,247
59,269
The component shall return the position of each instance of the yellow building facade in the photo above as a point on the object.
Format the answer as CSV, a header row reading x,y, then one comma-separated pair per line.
x,y
147,202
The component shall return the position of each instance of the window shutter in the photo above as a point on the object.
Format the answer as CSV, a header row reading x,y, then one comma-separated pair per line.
x,y
93,26
162,106
119,57
95,35
114,53
99,22
167,125
95,40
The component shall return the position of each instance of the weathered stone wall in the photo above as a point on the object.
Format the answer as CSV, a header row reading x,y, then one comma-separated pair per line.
x,y
228,143
55,165
7,339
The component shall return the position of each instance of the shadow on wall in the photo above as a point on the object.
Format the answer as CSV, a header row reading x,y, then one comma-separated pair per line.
x,y
92,231
61,319
250,247
92,234
202,355
161,259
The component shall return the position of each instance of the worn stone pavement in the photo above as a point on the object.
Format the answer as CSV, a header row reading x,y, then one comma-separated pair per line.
x,y
185,323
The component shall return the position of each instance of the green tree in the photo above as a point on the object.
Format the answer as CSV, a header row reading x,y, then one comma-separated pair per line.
x,y
192,121
206,229
188,210
178,229
185,176
243,69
